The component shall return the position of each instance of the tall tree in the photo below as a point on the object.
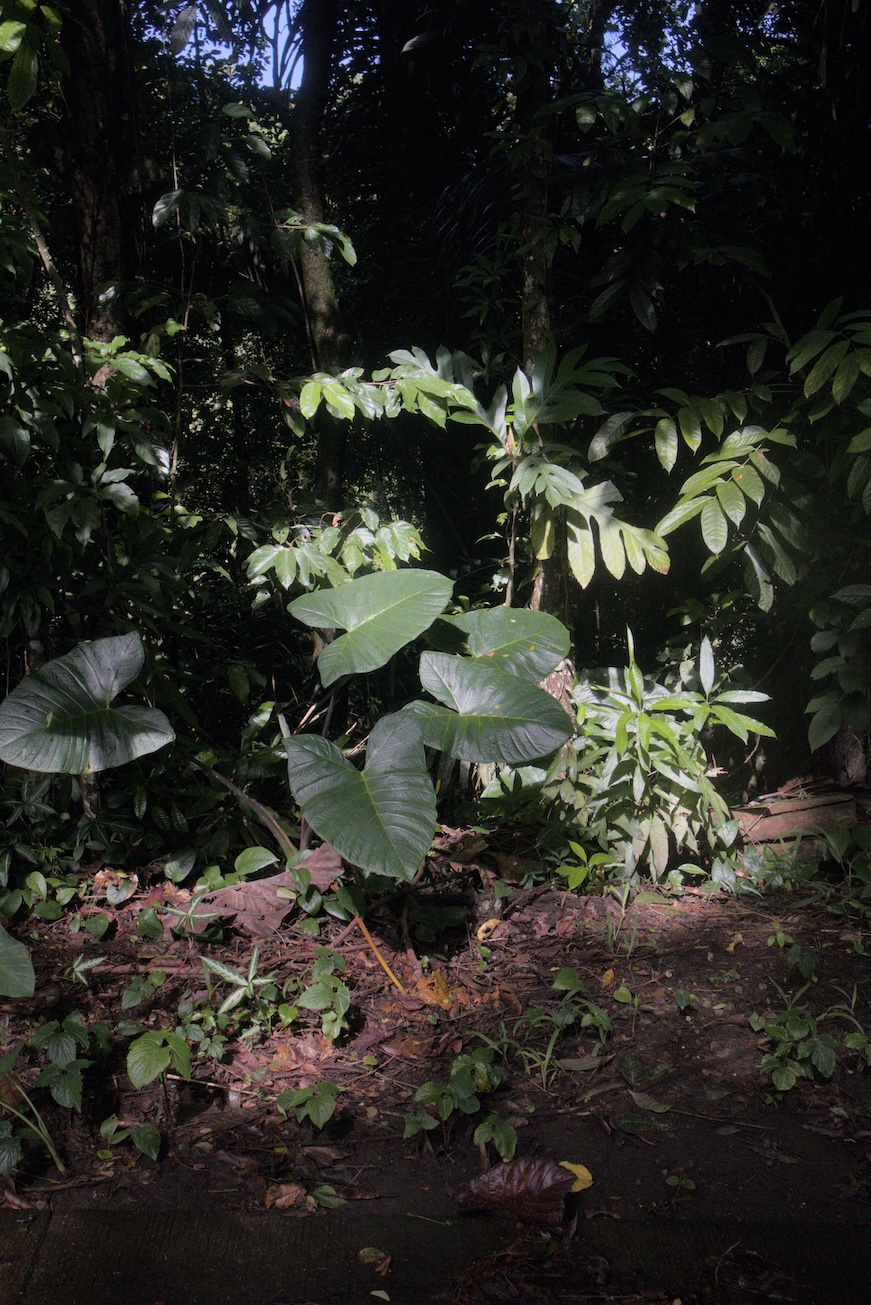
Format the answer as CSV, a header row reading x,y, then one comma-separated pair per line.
x,y
97,155
328,336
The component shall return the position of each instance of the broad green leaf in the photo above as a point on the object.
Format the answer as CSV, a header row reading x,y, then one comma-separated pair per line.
x,y
543,532
17,978
757,579
487,715
739,725
528,644
665,439
658,845
715,531
147,1058
825,366
253,859
60,718
732,501
845,378
381,613
690,426
146,1138
165,207
808,347
611,546
382,818
22,79
712,415
679,515
824,725
748,480
309,399
860,443
580,550
11,34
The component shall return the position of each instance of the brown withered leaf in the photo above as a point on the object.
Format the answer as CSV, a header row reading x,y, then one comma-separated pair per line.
x,y
285,1196
324,866
256,906
407,1046
10,1092
533,1191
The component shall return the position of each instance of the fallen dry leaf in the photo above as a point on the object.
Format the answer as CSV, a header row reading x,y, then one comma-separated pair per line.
x,y
407,1046
486,929
284,1196
256,906
324,1154
433,989
583,1177
532,1191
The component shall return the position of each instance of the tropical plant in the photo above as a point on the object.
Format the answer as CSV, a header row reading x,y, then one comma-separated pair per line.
x,y
638,777
488,707
60,719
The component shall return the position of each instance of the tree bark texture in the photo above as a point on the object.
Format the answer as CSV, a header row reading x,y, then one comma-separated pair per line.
x,y
97,156
328,338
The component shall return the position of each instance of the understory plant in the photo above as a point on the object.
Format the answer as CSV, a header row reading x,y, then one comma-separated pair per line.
x,y
61,720
485,706
472,1076
637,775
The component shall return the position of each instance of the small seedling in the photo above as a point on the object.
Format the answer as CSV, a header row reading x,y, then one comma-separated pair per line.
x,y
145,1137
800,1049
681,1186
327,993
316,1103
683,999
502,1135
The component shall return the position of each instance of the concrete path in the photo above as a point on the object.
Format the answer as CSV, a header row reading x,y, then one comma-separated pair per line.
x,y
196,1258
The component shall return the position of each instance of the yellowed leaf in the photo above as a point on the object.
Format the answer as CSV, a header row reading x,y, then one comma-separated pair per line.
x,y
583,1177
486,929
433,988
737,938
607,979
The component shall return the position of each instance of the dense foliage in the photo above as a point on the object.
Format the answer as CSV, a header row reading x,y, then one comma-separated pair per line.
x,y
574,297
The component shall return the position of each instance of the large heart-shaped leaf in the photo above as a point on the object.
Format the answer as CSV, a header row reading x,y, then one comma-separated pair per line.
x,y
492,716
16,968
60,718
528,644
381,613
382,818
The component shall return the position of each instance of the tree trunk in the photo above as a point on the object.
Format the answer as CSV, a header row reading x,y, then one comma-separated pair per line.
x,y
328,337
97,157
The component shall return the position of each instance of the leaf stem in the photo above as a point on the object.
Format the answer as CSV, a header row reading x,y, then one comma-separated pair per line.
x,y
379,958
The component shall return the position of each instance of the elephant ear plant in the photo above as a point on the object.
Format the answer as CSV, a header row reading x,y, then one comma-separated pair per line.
x,y
487,708
62,719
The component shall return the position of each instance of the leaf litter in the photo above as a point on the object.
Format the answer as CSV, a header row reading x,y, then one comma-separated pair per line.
x,y
655,1095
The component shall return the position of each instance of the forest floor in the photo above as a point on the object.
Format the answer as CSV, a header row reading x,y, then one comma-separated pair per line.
x,y
669,1108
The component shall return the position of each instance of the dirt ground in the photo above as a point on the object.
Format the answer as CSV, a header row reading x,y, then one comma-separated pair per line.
x,y
670,1111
